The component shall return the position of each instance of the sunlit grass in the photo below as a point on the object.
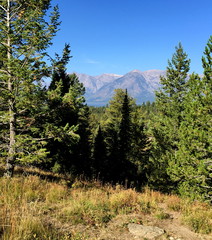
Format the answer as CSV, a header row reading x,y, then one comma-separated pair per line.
x,y
35,208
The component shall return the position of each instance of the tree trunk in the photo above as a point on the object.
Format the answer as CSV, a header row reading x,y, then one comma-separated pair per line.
x,y
11,105
12,150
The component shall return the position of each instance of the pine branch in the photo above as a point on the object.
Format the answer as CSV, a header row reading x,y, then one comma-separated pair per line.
x,y
3,8
4,71
22,28
42,139
15,11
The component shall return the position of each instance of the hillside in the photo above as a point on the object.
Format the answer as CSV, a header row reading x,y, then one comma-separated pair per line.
x,y
140,85
44,206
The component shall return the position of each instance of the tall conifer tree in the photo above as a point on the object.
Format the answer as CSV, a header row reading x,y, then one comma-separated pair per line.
x,y
141,146
67,109
125,131
170,104
118,134
25,34
192,167
100,165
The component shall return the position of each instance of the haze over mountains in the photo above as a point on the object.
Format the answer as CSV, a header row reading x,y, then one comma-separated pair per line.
x,y
140,85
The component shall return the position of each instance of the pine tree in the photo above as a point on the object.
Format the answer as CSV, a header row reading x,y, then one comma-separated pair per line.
x,y
126,167
141,147
24,37
111,125
67,109
171,95
117,128
111,141
113,113
125,130
100,166
207,116
59,70
126,142
192,167
207,66
170,105
81,153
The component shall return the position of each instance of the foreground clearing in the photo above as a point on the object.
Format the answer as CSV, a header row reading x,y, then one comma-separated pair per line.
x,y
40,209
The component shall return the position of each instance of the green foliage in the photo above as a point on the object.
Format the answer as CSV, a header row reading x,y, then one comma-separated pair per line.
x,y
125,128
193,165
170,98
140,147
114,110
207,66
170,104
99,155
59,71
26,33
67,119
166,144
182,128
122,136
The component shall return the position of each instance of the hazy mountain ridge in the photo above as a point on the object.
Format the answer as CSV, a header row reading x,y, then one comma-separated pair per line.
x,y
140,85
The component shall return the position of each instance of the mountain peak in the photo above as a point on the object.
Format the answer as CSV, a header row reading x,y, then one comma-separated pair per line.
x,y
135,71
154,70
140,85
110,75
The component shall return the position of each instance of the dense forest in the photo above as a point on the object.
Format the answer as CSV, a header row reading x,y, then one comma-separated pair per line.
x,y
166,144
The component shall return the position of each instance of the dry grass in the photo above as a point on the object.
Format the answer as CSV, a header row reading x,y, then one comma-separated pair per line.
x,y
174,203
199,217
39,209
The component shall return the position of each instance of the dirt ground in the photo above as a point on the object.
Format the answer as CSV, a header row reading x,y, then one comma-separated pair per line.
x,y
117,228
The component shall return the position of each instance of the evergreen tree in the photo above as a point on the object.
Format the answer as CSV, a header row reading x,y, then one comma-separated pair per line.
x,y
141,148
207,66
111,126
59,70
111,140
113,113
125,139
127,145
67,106
192,167
118,136
97,115
25,35
125,129
100,166
81,153
170,97
170,105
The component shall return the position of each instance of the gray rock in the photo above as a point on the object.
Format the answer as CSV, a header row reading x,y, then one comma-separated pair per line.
x,y
148,232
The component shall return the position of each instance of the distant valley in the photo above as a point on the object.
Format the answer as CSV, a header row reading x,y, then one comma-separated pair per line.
x,y
140,85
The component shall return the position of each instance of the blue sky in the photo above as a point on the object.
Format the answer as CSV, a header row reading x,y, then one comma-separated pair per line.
x,y
117,36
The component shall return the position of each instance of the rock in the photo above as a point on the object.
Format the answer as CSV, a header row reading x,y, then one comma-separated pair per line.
x,y
172,238
148,232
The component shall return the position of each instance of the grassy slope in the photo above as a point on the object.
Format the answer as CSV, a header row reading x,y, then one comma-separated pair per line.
x,y
32,207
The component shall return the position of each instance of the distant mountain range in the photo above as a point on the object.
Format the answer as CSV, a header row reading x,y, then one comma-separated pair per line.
x,y
140,85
